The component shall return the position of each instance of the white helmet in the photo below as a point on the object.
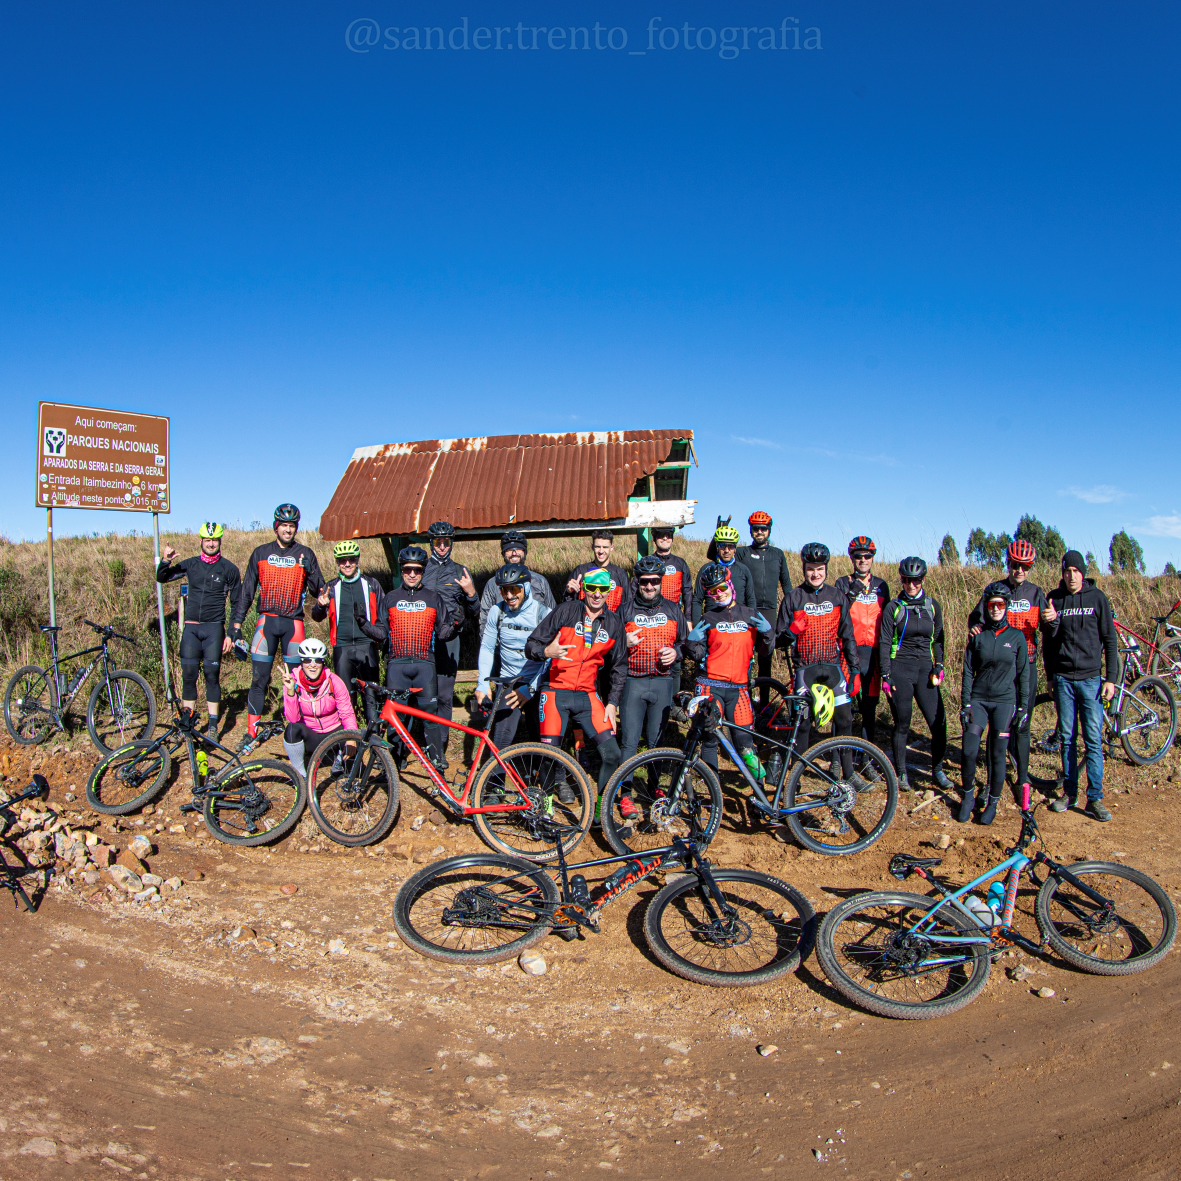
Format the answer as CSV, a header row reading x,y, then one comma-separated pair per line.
x,y
313,649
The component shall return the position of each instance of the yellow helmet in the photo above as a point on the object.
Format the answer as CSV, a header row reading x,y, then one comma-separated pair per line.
x,y
346,549
824,705
211,529
727,535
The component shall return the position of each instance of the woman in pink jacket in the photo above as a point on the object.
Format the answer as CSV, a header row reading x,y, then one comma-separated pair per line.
x,y
315,702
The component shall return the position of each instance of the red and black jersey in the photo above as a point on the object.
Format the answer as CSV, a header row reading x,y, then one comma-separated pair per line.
x,y
369,593
1025,613
659,624
865,607
410,621
282,577
599,644
724,653
676,584
618,583
817,621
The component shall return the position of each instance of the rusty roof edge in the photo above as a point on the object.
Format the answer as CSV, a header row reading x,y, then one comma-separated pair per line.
x,y
480,442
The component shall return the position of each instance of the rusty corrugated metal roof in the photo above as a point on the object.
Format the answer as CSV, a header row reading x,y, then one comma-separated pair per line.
x,y
492,481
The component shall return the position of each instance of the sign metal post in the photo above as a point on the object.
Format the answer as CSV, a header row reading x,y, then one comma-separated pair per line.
x,y
49,536
160,606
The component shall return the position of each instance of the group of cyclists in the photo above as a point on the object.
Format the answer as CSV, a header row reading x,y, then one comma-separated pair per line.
x,y
608,658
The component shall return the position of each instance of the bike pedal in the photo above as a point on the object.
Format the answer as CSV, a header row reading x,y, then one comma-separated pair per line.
x,y
567,933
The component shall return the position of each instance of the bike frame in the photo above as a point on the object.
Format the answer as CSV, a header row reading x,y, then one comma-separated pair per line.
x,y
1162,622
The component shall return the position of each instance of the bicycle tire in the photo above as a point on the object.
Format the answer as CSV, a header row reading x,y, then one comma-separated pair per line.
x,y
97,785
775,720
656,822
1148,693
786,940
873,810
221,804
1132,926
830,946
532,906
130,727
30,681
1166,664
542,768
373,802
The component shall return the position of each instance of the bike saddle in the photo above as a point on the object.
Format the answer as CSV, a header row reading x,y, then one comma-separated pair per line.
x,y
45,627
902,863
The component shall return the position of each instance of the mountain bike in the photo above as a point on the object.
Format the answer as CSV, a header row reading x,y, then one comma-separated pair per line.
x,y
837,797
243,801
512,798
723,927
913,956
1164,659
10,875
121,709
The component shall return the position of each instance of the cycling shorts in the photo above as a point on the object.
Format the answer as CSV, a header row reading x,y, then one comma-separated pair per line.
x,y
200,644
734,699
558,706
275,634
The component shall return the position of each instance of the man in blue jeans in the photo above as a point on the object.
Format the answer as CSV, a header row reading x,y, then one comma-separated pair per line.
x,y
1082,644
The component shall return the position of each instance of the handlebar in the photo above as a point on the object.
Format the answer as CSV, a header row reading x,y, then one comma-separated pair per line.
x,y
108,632
38,787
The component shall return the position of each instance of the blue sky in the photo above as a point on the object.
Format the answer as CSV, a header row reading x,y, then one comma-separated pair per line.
x,y
916,278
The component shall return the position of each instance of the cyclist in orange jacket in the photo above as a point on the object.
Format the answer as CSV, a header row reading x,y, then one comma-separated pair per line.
x,y
868,595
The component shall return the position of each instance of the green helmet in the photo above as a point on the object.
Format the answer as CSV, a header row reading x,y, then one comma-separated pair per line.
x,y
597,578
727,535
211,529
349,548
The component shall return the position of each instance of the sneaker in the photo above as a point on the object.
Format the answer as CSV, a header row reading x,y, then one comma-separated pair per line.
x,y
628,809
859,784
211,730
1062,803
941,780
1096,810
566,793
338,764
441,763
903,782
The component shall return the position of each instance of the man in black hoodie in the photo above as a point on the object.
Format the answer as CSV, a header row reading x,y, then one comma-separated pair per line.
x,y
1076,655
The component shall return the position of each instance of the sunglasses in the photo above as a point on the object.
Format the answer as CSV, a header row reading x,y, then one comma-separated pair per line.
x,y
716,592
650,581
600,591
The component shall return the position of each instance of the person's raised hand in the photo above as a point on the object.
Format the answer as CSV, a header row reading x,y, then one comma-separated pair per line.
x,y
288,681
1049,614
169,553
323,597
572,586
465,583
633,638
975,631
556,650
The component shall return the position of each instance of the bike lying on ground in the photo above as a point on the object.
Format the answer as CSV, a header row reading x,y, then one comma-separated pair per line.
x,y
826,808
242,802
914,957
723,927
121,708
513,798
10,875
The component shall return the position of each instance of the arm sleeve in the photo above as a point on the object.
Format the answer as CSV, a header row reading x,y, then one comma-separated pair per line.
x,y
1023,701
246,594
547,593
698,604
533,671
975,617
542,636
379,629
618,658
291,710
937,637
167,573
748,592
488,640
968,677
686,588
448,616
784,576
1110,640
487,602
344,703
315,578
233,587
682,634
849,643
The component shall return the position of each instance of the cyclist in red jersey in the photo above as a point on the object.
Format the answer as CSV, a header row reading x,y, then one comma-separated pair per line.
x,y
581,638
722,642
868,596
281,572
676,583
603,544
1030,612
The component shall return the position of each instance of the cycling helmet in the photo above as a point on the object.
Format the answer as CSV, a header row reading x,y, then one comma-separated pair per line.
x,y
663,531
713,575
211,529
597,578
815,551
514,539
1021,552
412,555
347,549
914,568
758,517
862,545
824,704
512,576
649,564
287,513
313,649
726,534
441,529
997,590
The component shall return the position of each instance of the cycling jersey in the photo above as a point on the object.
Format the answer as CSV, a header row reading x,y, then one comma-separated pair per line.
x,y
410,620
282,577
618,583
912,630
865,609
817,623
342,625
209,584
676,584
768,570
724,639
996,666
598,645
659,624
1025,613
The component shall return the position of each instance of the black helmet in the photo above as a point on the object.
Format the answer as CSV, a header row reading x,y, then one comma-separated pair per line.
x,y
441,529
815,551
287,513
998,590
514,539
713,575
663,531
512,576
914,568
649,564
413,555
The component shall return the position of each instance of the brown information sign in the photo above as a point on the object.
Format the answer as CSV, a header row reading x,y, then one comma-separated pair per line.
x,y
110,459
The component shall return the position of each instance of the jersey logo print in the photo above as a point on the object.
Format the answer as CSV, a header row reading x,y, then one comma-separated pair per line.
x,y
409,605
818,608
650,620
738,625
276,560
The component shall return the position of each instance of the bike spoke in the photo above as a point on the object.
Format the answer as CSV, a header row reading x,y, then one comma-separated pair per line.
x,y
476,909
1130,927
659,799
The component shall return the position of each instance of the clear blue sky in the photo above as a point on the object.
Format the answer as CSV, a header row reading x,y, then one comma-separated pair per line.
x,y
921,277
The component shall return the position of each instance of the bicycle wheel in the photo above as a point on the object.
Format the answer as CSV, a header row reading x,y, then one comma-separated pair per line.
x,y
1132,932
28,702
1147,721
842,816
255,804
870,957
1045,755
475,909
120,712
761,934
354,801
546,772
775,719
128,778
647,782
1166,664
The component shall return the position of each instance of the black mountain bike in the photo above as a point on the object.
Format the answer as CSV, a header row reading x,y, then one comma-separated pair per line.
x,y
244,800
837,797
10,875
121,709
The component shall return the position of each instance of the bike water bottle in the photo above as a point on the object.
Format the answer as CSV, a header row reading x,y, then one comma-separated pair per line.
x,y
622,872
774,766
202,767
981,912
752,761
996,898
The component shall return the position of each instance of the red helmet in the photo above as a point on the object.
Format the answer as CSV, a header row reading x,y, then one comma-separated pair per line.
x,y
862,545
1022,552
758,517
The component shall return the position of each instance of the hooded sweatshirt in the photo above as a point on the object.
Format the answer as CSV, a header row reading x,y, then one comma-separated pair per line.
x,y
1086,639
539,587
507,631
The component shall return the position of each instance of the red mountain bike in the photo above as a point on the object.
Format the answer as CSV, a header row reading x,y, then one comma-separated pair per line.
x,y
514,798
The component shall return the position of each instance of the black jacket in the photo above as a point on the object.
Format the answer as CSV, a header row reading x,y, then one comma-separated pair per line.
x,y
996,666
744,589
209,584
912,629
1086,637
767,567
442,575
